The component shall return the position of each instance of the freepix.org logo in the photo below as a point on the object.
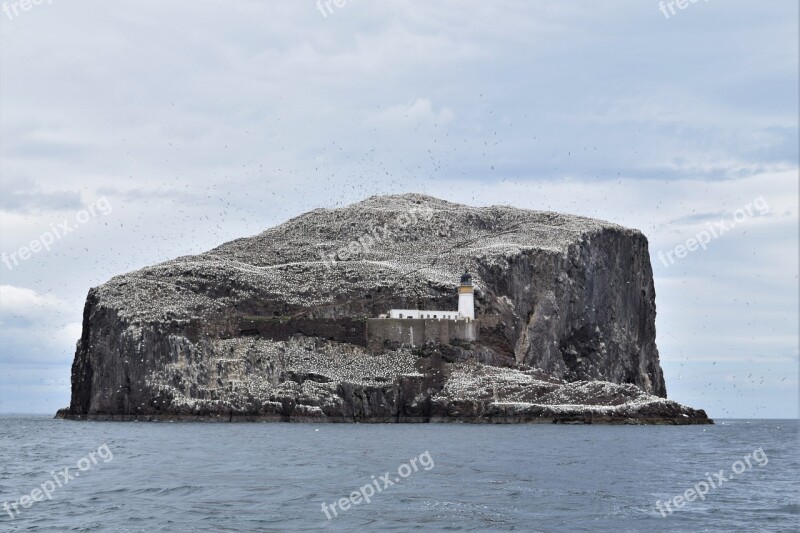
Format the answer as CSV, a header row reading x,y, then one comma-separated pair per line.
x,y
56,232
668,7
59,479
376,235
378,484
715,230
326,6
713,481
15,9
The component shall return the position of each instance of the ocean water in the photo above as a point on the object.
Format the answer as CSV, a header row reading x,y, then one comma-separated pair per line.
x,y
453,477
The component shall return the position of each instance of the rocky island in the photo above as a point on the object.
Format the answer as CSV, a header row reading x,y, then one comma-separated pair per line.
x,y
275,327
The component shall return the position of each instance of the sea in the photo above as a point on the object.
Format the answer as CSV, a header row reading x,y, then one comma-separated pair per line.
x,y
736,475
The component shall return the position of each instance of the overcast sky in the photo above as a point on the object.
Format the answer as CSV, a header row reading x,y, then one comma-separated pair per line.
x,y
193,123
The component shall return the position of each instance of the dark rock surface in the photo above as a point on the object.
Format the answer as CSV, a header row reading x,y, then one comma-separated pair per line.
x,y
267,327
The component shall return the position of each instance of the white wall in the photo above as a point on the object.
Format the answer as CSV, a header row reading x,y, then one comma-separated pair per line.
x,y
466,305
417,313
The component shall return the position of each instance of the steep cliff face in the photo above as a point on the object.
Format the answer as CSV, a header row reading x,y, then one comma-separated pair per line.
x,y
567,297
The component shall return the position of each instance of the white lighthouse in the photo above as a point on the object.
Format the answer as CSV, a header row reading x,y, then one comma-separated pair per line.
x,y
466,306
466,298
418,327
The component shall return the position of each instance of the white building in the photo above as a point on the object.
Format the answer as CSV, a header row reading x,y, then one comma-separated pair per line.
x,y
416,313
466,306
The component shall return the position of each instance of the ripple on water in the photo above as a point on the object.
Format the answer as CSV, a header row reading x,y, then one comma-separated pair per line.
x,y
252,477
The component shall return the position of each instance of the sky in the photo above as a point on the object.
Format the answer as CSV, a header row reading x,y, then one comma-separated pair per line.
x,y
134,133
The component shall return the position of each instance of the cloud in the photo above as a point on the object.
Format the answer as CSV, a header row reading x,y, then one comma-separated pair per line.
x,y
419,112
20,302
35,327
23,196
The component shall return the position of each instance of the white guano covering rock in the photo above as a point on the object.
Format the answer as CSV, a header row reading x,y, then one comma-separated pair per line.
x,y
566,307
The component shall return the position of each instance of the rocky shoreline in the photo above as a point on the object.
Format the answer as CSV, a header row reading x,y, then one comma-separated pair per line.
x,y
63,414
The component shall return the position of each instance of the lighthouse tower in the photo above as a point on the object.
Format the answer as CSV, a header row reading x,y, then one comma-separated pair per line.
x,y
466,300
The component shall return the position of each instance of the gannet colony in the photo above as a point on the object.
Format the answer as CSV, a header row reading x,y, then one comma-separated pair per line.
x,y
402,308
